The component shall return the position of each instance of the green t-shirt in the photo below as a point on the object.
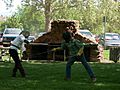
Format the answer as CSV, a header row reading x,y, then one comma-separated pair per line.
x,y
73,46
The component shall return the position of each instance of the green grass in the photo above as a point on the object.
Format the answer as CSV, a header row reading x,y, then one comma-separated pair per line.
x,y
50,76
106,54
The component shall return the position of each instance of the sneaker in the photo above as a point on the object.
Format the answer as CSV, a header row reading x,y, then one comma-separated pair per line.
x,y
67,79
23,76
13,75
93,79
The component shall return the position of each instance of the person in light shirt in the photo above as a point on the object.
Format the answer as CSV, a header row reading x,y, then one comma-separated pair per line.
x,y
17,44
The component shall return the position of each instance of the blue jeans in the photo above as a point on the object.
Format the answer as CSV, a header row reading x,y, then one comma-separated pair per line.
x,y
81,58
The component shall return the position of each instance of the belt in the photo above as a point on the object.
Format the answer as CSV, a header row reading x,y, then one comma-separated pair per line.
x,y
15,46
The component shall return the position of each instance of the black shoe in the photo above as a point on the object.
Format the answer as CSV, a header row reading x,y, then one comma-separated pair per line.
x,y
13,75
23,76
67,79
93,79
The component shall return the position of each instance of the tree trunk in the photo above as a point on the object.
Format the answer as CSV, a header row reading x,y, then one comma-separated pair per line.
x,y
47,15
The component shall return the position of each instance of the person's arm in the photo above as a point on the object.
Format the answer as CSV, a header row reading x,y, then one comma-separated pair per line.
x,y
80,52
26,41
63,46
55,49
79,44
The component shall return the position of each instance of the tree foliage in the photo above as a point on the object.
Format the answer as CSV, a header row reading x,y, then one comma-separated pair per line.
x,y
36,15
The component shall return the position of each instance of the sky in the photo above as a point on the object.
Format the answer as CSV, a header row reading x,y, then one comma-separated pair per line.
x,y
10,11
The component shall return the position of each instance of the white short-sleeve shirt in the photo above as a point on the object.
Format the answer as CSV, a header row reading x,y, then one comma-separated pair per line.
x,y
18,41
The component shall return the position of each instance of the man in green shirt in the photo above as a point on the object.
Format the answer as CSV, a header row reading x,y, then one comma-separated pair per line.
x,y
75,49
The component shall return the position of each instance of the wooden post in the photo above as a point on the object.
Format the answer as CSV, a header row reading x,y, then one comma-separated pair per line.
x,y
64,55
54,56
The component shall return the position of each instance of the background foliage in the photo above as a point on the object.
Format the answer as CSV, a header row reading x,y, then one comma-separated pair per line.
x,y
35,15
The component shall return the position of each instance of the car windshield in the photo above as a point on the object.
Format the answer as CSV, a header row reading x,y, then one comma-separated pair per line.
x,y
86,33
12,31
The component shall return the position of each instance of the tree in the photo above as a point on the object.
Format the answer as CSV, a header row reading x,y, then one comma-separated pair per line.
x,y
42,6
36,14
31,19
8,3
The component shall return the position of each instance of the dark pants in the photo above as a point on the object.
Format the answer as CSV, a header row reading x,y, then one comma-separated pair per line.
x,y
18,65
81,58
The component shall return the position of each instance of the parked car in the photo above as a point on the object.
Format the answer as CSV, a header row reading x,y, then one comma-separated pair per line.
x,y
41,33
109,39
87,34
1,34
10,34
31,38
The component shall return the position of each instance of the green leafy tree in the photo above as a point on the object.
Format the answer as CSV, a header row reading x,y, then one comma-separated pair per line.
x,y
43,6
37,14
31,18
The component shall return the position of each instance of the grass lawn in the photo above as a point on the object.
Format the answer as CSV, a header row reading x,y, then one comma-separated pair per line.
x,y
106,54
50,76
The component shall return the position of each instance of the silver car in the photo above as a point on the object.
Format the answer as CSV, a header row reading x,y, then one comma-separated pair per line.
x,y
10,34
41,33
87,34
111,40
